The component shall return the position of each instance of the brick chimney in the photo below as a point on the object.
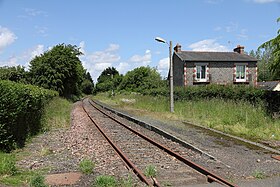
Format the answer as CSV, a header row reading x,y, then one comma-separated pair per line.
x,y
177,48
239,49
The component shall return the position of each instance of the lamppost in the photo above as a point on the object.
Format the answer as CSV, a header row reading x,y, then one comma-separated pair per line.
x,y
112,78
170,72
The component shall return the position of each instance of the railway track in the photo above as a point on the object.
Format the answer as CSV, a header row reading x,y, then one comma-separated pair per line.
x,y
140,151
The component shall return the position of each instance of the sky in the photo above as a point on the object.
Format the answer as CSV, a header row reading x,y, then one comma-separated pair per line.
x,y
121,33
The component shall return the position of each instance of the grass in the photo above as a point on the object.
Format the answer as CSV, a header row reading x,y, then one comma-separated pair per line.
x,y
258,175
105,181
57,114
150,171
7,164
37,181
234,117
86,166
110,181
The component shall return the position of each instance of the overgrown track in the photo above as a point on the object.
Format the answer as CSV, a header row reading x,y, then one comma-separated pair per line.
x,y
139,151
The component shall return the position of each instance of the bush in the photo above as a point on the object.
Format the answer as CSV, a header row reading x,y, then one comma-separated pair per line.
x,y
270,100
21,108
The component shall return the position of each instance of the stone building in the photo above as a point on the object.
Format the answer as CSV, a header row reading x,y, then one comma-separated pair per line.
x,y
196,68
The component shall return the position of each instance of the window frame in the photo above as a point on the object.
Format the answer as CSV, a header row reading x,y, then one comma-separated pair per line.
x,y
198,66
237,72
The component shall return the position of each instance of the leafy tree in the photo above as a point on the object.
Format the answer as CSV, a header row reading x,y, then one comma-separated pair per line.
x,y
16,74
274,45
141,79
58,69
108,80
264,59
87,84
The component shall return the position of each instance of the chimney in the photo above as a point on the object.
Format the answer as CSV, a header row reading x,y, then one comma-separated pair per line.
x,y
177,48
239,49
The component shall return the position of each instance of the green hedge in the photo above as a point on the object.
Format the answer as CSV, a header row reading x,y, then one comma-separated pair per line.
x,y
270,100
21,108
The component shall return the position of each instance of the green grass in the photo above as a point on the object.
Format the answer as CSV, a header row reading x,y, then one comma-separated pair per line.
x,y
105,181
7,164
37,181
57,114
150,171
86,166
234,117
111,181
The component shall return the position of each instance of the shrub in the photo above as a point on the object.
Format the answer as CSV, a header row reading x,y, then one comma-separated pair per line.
x,y
21,108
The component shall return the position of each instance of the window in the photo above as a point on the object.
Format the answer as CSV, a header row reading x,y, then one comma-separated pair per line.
x,y
240,73
201,73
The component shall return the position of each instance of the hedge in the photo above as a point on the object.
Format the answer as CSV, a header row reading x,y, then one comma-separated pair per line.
x,y
21,108
270,99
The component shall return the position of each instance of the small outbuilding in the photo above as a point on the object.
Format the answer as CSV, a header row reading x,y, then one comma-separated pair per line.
x,y
195,68
269,85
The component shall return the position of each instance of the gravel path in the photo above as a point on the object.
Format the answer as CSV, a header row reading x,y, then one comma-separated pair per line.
x,y
61,150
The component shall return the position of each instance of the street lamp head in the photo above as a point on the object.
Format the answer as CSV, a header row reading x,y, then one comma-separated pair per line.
x,y
159,39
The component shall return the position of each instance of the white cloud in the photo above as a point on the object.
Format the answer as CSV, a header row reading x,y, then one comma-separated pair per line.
x,y
266,1
7,37
208,45
233,26
41,30
243,34
36,51
122,67
96,62
142,60
112,48
163,64
109,55
163,67
24,58
82,47
30,12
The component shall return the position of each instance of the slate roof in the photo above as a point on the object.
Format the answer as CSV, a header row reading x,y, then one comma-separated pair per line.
x,y
214,56
270,85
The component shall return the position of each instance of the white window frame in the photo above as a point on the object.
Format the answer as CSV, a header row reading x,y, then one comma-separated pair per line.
x,y
244,79
199,66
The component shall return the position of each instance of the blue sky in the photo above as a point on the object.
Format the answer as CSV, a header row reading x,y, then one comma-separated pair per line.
x,y
121,33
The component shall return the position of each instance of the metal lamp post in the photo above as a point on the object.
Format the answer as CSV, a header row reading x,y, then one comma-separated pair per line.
x,y
170,72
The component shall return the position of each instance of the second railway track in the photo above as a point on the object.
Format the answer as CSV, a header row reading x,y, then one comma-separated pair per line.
x,y
170,160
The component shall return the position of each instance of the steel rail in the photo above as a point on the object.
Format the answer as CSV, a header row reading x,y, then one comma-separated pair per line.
x,y
137,171
210,175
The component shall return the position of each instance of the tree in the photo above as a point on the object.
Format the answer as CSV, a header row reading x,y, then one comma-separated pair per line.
x,y
16,74
108,80
274,45
264,59
58,69
87,84
141,79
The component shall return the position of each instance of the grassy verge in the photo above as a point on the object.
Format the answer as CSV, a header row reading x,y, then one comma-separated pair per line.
x,y
235,117
56,115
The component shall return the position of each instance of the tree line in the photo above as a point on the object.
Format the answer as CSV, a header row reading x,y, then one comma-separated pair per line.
x,y
58,69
